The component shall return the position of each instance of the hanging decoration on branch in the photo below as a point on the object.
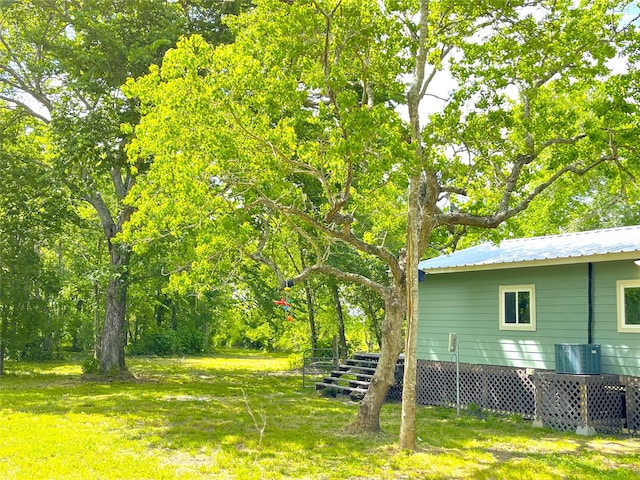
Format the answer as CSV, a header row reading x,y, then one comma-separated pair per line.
x,y
286,301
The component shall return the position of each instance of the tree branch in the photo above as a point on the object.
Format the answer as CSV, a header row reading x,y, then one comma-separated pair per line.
x,y
562,141
26,107
503,212
106,220
306,272
347,277
343,235
118,183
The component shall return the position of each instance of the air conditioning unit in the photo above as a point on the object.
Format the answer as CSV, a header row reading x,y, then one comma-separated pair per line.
x,y
578,358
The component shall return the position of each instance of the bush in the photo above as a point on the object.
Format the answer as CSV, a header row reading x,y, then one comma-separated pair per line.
x,y
184,341
189,341
36,351
90,366
161,343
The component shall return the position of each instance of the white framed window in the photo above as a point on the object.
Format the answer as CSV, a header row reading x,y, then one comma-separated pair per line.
x,y
518,307
628,295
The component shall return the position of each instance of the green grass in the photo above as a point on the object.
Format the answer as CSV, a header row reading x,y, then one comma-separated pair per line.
x,y
244,415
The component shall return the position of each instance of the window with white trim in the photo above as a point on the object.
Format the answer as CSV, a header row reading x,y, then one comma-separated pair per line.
x,y
628,294
518,307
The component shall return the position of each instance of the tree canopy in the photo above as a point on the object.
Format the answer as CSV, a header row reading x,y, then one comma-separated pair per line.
x,y
169,165
63,63
343,134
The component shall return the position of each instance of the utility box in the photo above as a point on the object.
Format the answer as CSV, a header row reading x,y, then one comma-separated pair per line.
x,y
578,358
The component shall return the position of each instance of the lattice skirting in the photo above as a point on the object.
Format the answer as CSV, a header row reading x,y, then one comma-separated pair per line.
x,y
395,392
632,404
588,403
490,387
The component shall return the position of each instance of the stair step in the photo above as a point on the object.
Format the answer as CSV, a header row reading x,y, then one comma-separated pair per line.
x,y
342,388
361,363
338,381
367,356
339,374
353,371
347,367
355,374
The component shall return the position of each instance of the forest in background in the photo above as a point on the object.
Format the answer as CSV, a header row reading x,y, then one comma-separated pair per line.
x,y
76,230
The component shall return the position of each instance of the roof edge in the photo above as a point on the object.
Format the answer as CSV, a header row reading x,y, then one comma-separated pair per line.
x,y
608,257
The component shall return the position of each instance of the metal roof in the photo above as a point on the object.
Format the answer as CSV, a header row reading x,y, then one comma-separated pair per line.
x,y
596,245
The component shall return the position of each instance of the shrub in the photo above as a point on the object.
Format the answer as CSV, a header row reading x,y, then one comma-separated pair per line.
x,y
183,341
90,366
161,343
189,341
36,351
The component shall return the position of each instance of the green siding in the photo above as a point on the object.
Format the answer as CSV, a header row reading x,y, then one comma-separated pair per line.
x,y
467,304
620,351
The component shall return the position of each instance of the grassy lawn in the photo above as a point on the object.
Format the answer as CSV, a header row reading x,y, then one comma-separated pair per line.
x,y
246,416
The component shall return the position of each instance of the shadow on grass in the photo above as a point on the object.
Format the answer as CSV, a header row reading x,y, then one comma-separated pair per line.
x,y
199,409
242,416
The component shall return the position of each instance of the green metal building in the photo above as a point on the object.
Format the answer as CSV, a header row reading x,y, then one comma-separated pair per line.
x,y
528,310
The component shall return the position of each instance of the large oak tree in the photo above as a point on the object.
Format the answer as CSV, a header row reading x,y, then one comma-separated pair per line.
x,y
63,62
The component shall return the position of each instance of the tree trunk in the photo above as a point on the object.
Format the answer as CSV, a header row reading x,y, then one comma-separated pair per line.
x,y
375,323
3,322
113,338
161,305
422,202
310,306
368,419
407,439
3,335
113,332
340,318
312,317
174,316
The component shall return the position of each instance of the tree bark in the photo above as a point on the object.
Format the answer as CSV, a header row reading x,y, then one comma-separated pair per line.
x,y
3,322
407,438
375,323
312,317
113,338
368,419
3,335
340,318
